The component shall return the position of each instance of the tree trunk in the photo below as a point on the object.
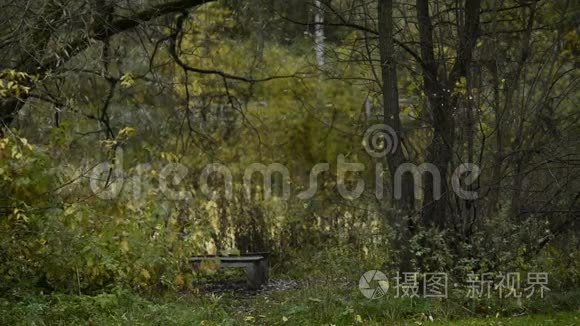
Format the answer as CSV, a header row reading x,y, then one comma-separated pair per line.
x,y
439,151
406,204
319,33
391,103
443,102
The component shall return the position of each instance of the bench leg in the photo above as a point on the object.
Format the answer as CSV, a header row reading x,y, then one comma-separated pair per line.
x,y
196,266
263,264
253,275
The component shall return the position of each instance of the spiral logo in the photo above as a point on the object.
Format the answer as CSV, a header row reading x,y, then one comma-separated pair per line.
x,y
380,140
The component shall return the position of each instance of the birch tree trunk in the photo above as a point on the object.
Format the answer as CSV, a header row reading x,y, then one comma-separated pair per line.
x,y
319,33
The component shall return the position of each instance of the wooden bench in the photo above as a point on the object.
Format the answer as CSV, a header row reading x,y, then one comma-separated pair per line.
x,y
255,264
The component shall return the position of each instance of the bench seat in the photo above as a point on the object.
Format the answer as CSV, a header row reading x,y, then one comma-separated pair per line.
x,y
256,266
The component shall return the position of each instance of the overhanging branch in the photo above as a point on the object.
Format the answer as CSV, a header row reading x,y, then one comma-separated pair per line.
x,y
173,50
105,31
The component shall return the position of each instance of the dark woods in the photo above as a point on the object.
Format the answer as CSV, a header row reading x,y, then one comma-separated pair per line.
x,y
143,85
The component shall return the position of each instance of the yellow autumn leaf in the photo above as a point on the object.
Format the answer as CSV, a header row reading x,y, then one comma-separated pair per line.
x,y
145,273
127,80
26,143
127,132
179,281
124,246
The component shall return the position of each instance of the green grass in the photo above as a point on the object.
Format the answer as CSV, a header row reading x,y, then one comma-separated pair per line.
x,y
120,308
316,305
560,319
